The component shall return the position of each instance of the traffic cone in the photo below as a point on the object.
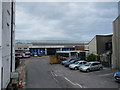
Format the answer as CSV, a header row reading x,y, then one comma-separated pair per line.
x,y
20,83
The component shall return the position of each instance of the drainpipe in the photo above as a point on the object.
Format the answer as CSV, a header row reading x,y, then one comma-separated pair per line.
x,y
11,34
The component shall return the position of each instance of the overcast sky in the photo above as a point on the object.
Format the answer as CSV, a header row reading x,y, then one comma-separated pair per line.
x,y
64,21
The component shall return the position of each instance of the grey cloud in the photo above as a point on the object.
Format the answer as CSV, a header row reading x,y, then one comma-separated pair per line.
x,y
64,21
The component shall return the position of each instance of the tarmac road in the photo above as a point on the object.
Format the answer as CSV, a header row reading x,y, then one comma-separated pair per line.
x,y
40,74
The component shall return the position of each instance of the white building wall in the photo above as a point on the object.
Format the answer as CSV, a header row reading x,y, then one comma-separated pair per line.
x,y
93,46
0,42
5,44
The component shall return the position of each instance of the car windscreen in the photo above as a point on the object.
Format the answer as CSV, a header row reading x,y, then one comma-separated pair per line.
x,y
69,59
76,63
87,64
72,61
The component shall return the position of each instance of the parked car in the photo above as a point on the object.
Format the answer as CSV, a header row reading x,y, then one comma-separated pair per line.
x,y
91,66
35,55
117,75
77,64
69,59
71,62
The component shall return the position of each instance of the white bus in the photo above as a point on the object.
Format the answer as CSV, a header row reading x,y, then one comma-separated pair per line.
x,y
78,54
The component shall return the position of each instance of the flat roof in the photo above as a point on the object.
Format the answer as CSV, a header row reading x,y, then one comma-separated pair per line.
x,y
104,35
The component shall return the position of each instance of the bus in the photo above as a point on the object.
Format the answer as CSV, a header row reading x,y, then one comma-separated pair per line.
x,y
18,55
26,55
66,54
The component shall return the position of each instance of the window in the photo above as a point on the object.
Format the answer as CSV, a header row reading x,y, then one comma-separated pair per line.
x,y
80,63
94,64
19,48
84,62
8,12
8,24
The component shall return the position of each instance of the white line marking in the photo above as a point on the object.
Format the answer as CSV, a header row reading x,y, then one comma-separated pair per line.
x,y
73,83
69,81
52,73
79,85
54,76
55,79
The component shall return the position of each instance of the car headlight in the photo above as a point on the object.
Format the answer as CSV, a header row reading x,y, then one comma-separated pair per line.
x,y
115,74
84,68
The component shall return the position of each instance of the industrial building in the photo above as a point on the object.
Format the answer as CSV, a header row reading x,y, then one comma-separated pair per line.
x,y
116,42
49,47
97,44
100,45
7,38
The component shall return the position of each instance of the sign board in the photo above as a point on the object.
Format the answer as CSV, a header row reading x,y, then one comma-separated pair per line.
x,y
14,75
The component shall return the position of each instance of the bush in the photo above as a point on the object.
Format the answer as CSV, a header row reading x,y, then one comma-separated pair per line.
x,y
91,57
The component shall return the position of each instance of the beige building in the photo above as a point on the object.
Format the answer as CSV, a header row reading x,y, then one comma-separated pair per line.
x,y
22,46
97,44
116,44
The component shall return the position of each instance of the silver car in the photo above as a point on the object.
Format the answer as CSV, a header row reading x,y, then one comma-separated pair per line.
x,y
69,59
77,64
91,66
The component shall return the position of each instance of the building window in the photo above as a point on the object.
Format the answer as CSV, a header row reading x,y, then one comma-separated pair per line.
x,y
8,12
8,24
19,48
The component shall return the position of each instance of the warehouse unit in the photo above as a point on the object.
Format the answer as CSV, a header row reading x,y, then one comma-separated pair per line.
x,y
7,37
47,47
37,51
97,44
116,44
116,41
50,48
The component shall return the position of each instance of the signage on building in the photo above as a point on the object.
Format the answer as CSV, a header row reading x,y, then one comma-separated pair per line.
x,y
14,75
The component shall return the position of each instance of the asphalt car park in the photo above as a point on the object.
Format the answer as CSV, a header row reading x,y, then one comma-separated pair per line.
x,y
41,74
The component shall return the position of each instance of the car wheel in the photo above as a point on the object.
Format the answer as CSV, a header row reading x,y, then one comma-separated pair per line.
x,y
88,70
75,68
116,78
100,68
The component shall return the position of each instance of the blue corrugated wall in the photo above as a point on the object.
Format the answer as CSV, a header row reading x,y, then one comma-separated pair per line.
x,y
37,51
67,49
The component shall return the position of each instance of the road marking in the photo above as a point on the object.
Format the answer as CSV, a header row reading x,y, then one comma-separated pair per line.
x,y
73,83
79,85
69,81
54,75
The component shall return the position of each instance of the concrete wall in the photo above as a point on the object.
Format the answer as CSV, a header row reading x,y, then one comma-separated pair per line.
x,y
80,48
93,46
101,41
6,43
0,42
22,46
97,44
116,44
7,61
